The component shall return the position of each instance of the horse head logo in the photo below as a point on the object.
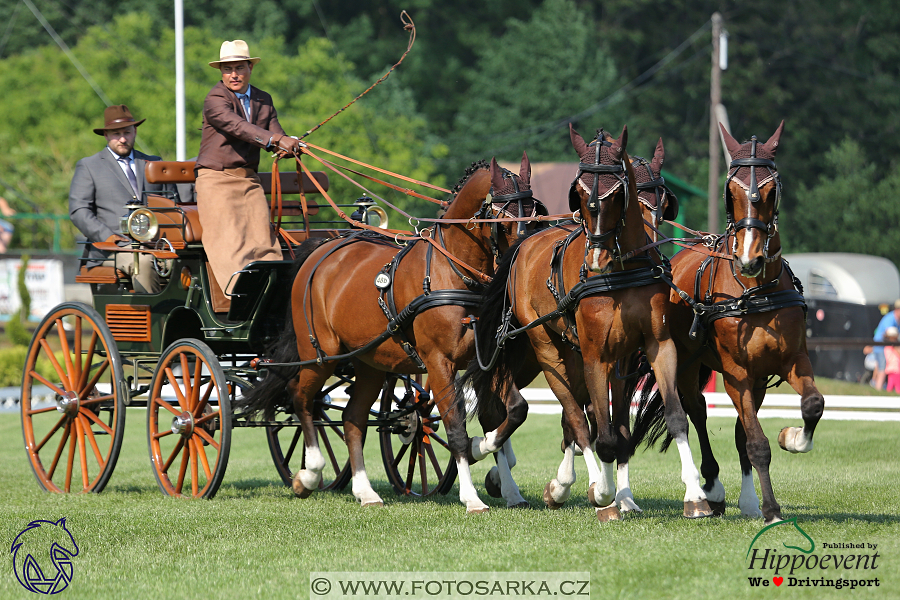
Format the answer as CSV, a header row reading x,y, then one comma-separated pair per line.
x,y
32,548
804,541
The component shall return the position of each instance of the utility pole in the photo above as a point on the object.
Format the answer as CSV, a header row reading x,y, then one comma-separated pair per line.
x,y
180,144
715,100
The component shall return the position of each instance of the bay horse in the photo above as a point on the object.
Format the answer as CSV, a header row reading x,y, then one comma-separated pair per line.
x,y
583,311
747,320
360,296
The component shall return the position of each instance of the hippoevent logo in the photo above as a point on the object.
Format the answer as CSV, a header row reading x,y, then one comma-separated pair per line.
x,y
784,554
42,556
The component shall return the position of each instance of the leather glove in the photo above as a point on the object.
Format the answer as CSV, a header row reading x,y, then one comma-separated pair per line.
x,y
288,146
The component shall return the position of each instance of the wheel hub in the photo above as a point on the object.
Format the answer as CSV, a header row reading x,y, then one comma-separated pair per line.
x,y
409,425
68,403
183,424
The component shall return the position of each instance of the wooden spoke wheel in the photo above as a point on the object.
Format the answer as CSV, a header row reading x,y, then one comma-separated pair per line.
x,y
416,456
189,421
289,453
73,442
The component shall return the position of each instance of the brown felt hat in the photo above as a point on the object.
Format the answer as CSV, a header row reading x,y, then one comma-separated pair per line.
x,y
116,117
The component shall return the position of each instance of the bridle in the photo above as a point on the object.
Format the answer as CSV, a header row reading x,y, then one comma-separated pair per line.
x,y
500,203
752,191
657,184
596,240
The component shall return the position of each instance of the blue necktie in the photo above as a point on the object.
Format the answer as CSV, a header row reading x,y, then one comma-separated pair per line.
x,y
245,101
129,172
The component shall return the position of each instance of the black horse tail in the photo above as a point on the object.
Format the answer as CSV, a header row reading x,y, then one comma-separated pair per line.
x,y
650,421
270,393
491,385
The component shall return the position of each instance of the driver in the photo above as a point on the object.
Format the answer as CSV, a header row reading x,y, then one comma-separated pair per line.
x,y
103,185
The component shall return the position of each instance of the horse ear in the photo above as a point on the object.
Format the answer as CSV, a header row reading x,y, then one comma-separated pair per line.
x,y
496,175
730,143
577,141
620,144
772,144
659,157
525,169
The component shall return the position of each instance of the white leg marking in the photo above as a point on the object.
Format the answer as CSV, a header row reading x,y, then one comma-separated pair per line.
x,y
508,487
561,487
717,493
362,490
467,493
689,473
510,455
603,476
624,497
312,474
482,446
795,440
749,501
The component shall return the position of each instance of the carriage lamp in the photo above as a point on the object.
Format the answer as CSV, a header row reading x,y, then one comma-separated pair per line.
x,y
140,223
369,213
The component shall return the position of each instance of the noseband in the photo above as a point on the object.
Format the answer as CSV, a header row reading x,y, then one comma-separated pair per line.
x,y
596,240
753,196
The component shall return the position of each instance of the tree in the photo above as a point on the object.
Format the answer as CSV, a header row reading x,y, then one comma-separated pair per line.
x,y
530,81
48,123
851,208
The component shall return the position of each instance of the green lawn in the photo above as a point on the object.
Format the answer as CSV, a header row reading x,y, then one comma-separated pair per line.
x,y
255,540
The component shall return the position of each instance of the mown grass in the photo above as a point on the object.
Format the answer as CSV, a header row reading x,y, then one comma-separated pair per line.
x,y
255,540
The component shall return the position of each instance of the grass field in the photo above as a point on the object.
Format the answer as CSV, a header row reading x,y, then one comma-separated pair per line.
x,y
255,540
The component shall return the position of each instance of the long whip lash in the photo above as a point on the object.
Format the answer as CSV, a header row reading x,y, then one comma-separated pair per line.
x,y
408,25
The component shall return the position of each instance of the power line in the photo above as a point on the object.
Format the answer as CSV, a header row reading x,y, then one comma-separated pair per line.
x,y
9,27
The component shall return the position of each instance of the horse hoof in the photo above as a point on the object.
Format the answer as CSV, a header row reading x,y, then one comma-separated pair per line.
x,y
697,510
718,508
522,504
592,497
300,491
549,501
377,503
609,513
782,438
478,510
490,486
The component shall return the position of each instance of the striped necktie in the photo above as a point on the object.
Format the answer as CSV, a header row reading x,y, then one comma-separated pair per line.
x,y
129,172
245,101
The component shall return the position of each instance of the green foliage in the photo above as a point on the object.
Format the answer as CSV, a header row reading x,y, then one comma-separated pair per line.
x,y
12,360
16,332
850,208
527,84
48,125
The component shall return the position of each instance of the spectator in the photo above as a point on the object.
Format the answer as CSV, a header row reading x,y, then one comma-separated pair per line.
x,y
6,228
892,360
891,319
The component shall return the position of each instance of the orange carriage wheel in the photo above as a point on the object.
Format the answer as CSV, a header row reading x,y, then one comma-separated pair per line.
x,y
414,451
189,421
288,452
73,432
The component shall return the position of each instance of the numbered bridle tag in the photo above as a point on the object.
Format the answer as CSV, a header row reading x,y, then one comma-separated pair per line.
x,y
382,281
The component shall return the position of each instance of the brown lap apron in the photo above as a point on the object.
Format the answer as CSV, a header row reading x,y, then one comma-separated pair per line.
x,y
234,215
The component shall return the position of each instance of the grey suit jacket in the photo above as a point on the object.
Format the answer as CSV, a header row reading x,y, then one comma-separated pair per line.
x,y
98,196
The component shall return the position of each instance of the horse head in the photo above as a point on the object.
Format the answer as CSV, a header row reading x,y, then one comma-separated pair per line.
x,y
601,191
752,196
511,196
658,203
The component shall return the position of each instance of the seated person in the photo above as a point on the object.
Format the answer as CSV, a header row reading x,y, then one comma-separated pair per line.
x,y
101,188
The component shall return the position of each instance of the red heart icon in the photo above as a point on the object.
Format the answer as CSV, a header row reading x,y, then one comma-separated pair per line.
x,y
778,580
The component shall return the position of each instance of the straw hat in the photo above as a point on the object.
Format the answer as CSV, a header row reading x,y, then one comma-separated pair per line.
x,y
116,117
235,51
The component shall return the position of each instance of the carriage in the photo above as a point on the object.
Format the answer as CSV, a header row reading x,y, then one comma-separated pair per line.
x,y
186,356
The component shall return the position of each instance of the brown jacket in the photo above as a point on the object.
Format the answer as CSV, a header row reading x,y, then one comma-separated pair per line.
x,y
229,140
